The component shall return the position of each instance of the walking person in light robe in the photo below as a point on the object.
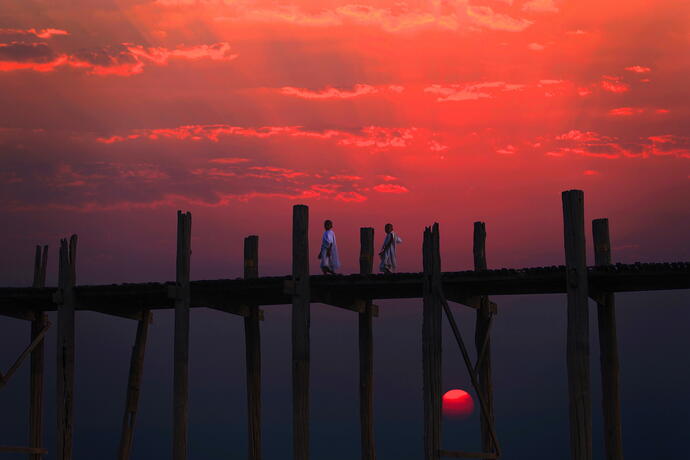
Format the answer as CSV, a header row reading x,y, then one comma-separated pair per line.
x,y
328,254
389,261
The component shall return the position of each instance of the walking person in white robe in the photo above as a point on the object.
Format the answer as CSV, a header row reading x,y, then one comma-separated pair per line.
x,y
389,260
328,254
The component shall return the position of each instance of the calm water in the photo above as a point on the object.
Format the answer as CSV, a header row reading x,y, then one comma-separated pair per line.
x,y
529,381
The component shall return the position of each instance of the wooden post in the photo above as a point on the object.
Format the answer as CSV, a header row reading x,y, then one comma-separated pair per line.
x,y
482,341
37,359
65,348
300,332
136,370
252,340
366,351
181,353
578,326
431,344
608,346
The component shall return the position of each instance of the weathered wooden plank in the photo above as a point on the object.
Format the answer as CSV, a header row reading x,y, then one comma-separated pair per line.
x,y
482,341
252,341
136,371
65,348
608,348
181,345
366,351
37,364
431,343
578,326
300,332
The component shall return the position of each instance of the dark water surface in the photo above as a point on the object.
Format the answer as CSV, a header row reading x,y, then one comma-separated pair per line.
x,y
529,372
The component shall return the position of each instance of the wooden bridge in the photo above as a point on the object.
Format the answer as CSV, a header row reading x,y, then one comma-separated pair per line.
x,y
352,292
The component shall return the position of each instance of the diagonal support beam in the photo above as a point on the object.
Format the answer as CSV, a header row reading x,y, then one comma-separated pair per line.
x,y
468,365
38,340
136,370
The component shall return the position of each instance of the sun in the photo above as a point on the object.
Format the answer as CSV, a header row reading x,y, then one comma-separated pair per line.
x,y
457,404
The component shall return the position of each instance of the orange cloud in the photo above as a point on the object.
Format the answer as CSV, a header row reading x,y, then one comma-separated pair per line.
x,y
343,177
485,17
638,69
614,84
397,19
582,136
540,6
376,138
470,91
121,60
229,160
507,150
329,92
390,188
350,197
625,111
39,33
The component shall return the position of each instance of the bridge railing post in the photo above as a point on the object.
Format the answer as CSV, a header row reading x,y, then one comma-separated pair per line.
x,y
608,348
366,351
37,363
431,344
67,279
300,332
577,347
181,338
252,341
482,341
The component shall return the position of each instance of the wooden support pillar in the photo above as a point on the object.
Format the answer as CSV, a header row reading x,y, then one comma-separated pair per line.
x,y
37,359
482,341
300,332
181,346
431,344
252,341
608,346
136,370
366,351
65,347
578,326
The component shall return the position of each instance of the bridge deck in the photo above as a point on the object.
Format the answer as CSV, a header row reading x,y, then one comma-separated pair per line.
x,y
345,289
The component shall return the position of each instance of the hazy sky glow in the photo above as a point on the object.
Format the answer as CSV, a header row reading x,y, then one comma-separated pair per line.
x,y
117,113
114,114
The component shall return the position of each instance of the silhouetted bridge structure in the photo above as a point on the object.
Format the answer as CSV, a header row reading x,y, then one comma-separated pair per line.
x,y
243,297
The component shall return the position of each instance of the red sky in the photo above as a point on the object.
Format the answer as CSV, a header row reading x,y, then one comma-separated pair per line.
x,y
114,114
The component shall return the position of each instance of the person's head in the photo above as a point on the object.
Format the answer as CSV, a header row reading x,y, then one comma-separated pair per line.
x,y
389,228
327,224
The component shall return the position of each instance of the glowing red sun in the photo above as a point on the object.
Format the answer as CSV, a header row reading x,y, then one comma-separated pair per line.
x,y
457,404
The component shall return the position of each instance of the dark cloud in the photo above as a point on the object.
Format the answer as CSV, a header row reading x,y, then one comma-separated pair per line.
x,y
107,56
26,52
